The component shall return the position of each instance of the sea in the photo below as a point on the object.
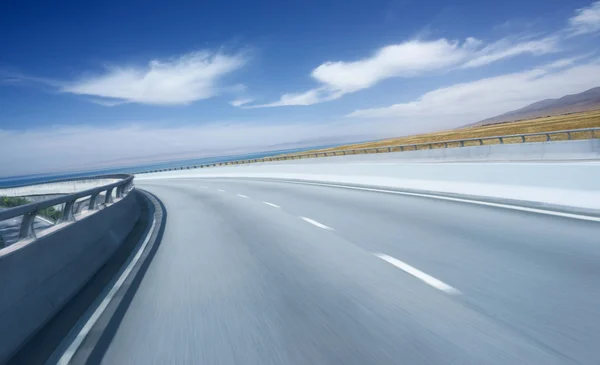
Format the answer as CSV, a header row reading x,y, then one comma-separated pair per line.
x,y
14,181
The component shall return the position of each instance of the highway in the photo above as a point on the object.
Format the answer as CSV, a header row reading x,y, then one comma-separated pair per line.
x,y
257,272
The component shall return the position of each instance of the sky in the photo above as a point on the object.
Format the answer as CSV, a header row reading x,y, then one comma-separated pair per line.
x,y
96,84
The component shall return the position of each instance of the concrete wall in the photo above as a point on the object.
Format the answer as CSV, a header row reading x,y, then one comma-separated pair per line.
x,y
569,184
38,277
541,151
65,187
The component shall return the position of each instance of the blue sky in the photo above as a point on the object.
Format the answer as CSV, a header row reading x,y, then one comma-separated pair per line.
x,y
94,84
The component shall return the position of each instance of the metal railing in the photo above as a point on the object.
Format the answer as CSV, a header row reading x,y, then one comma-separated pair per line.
x,y
28,212
522,138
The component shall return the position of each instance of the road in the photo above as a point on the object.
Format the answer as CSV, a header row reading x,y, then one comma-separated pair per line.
x,y
255,272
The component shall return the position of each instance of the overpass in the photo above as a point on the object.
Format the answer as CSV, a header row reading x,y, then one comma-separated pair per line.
x,y
350,260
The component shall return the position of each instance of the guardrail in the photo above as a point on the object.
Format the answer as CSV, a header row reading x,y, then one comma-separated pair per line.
x,y
30,211
67,179
521,138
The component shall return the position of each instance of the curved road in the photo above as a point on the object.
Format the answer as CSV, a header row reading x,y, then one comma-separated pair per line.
x,y
254,272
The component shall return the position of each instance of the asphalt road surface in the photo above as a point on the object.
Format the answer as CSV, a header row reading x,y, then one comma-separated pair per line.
x,y
253,272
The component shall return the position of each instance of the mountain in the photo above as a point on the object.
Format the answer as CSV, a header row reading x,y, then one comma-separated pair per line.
x,y
587,100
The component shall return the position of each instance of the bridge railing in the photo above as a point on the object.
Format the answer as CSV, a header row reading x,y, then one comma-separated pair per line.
x,y
570,134
69,206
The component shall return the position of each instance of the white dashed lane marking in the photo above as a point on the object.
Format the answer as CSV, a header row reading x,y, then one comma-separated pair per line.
x,y
315,223
272,205
438,284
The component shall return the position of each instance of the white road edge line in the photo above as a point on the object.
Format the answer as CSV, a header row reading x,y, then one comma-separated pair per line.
x,y
46,220
438,284
461,200
313,222
221,190
74,346
242,196
271,204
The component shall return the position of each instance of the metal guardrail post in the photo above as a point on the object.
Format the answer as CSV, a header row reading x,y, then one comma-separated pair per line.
x,y
481,142
108,197
568,135
26,229
548,137
522,139
501,140
67,215
92,205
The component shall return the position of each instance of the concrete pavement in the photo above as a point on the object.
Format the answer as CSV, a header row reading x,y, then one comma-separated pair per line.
x,y
252,272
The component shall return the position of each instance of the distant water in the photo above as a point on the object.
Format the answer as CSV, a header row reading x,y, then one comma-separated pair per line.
x,y
32,179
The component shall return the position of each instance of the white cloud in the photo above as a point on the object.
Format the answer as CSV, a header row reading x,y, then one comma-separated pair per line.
x,y
240,102
408,59
416,57
586,20
188,78
472,101
310,97
405,59
505,49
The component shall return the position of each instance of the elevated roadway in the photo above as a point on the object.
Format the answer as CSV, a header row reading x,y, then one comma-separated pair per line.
x,y
263,272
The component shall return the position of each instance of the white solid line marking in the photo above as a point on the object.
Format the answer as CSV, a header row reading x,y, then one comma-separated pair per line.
x,y
460,200
320,225
273,205
221,190
438,284
74,346
242,196
46,220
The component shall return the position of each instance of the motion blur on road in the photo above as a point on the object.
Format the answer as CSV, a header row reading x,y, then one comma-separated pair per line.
x,y
257,272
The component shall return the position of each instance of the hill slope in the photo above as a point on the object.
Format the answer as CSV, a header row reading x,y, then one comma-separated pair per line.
x,y
585,101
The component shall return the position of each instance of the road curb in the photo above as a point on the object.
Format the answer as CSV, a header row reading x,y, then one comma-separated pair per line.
x,y
94,331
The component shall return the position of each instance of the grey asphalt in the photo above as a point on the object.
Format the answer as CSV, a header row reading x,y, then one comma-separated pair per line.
x,y
237,281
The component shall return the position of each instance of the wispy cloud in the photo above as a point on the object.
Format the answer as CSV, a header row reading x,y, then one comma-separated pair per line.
x,y
405,59
310,97
505,49
408,59
586,20
417,57
181,80
240,102
473,101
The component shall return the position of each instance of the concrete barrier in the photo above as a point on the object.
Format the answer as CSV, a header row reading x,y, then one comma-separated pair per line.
x,y
588,149
541,151
38,277
569,184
